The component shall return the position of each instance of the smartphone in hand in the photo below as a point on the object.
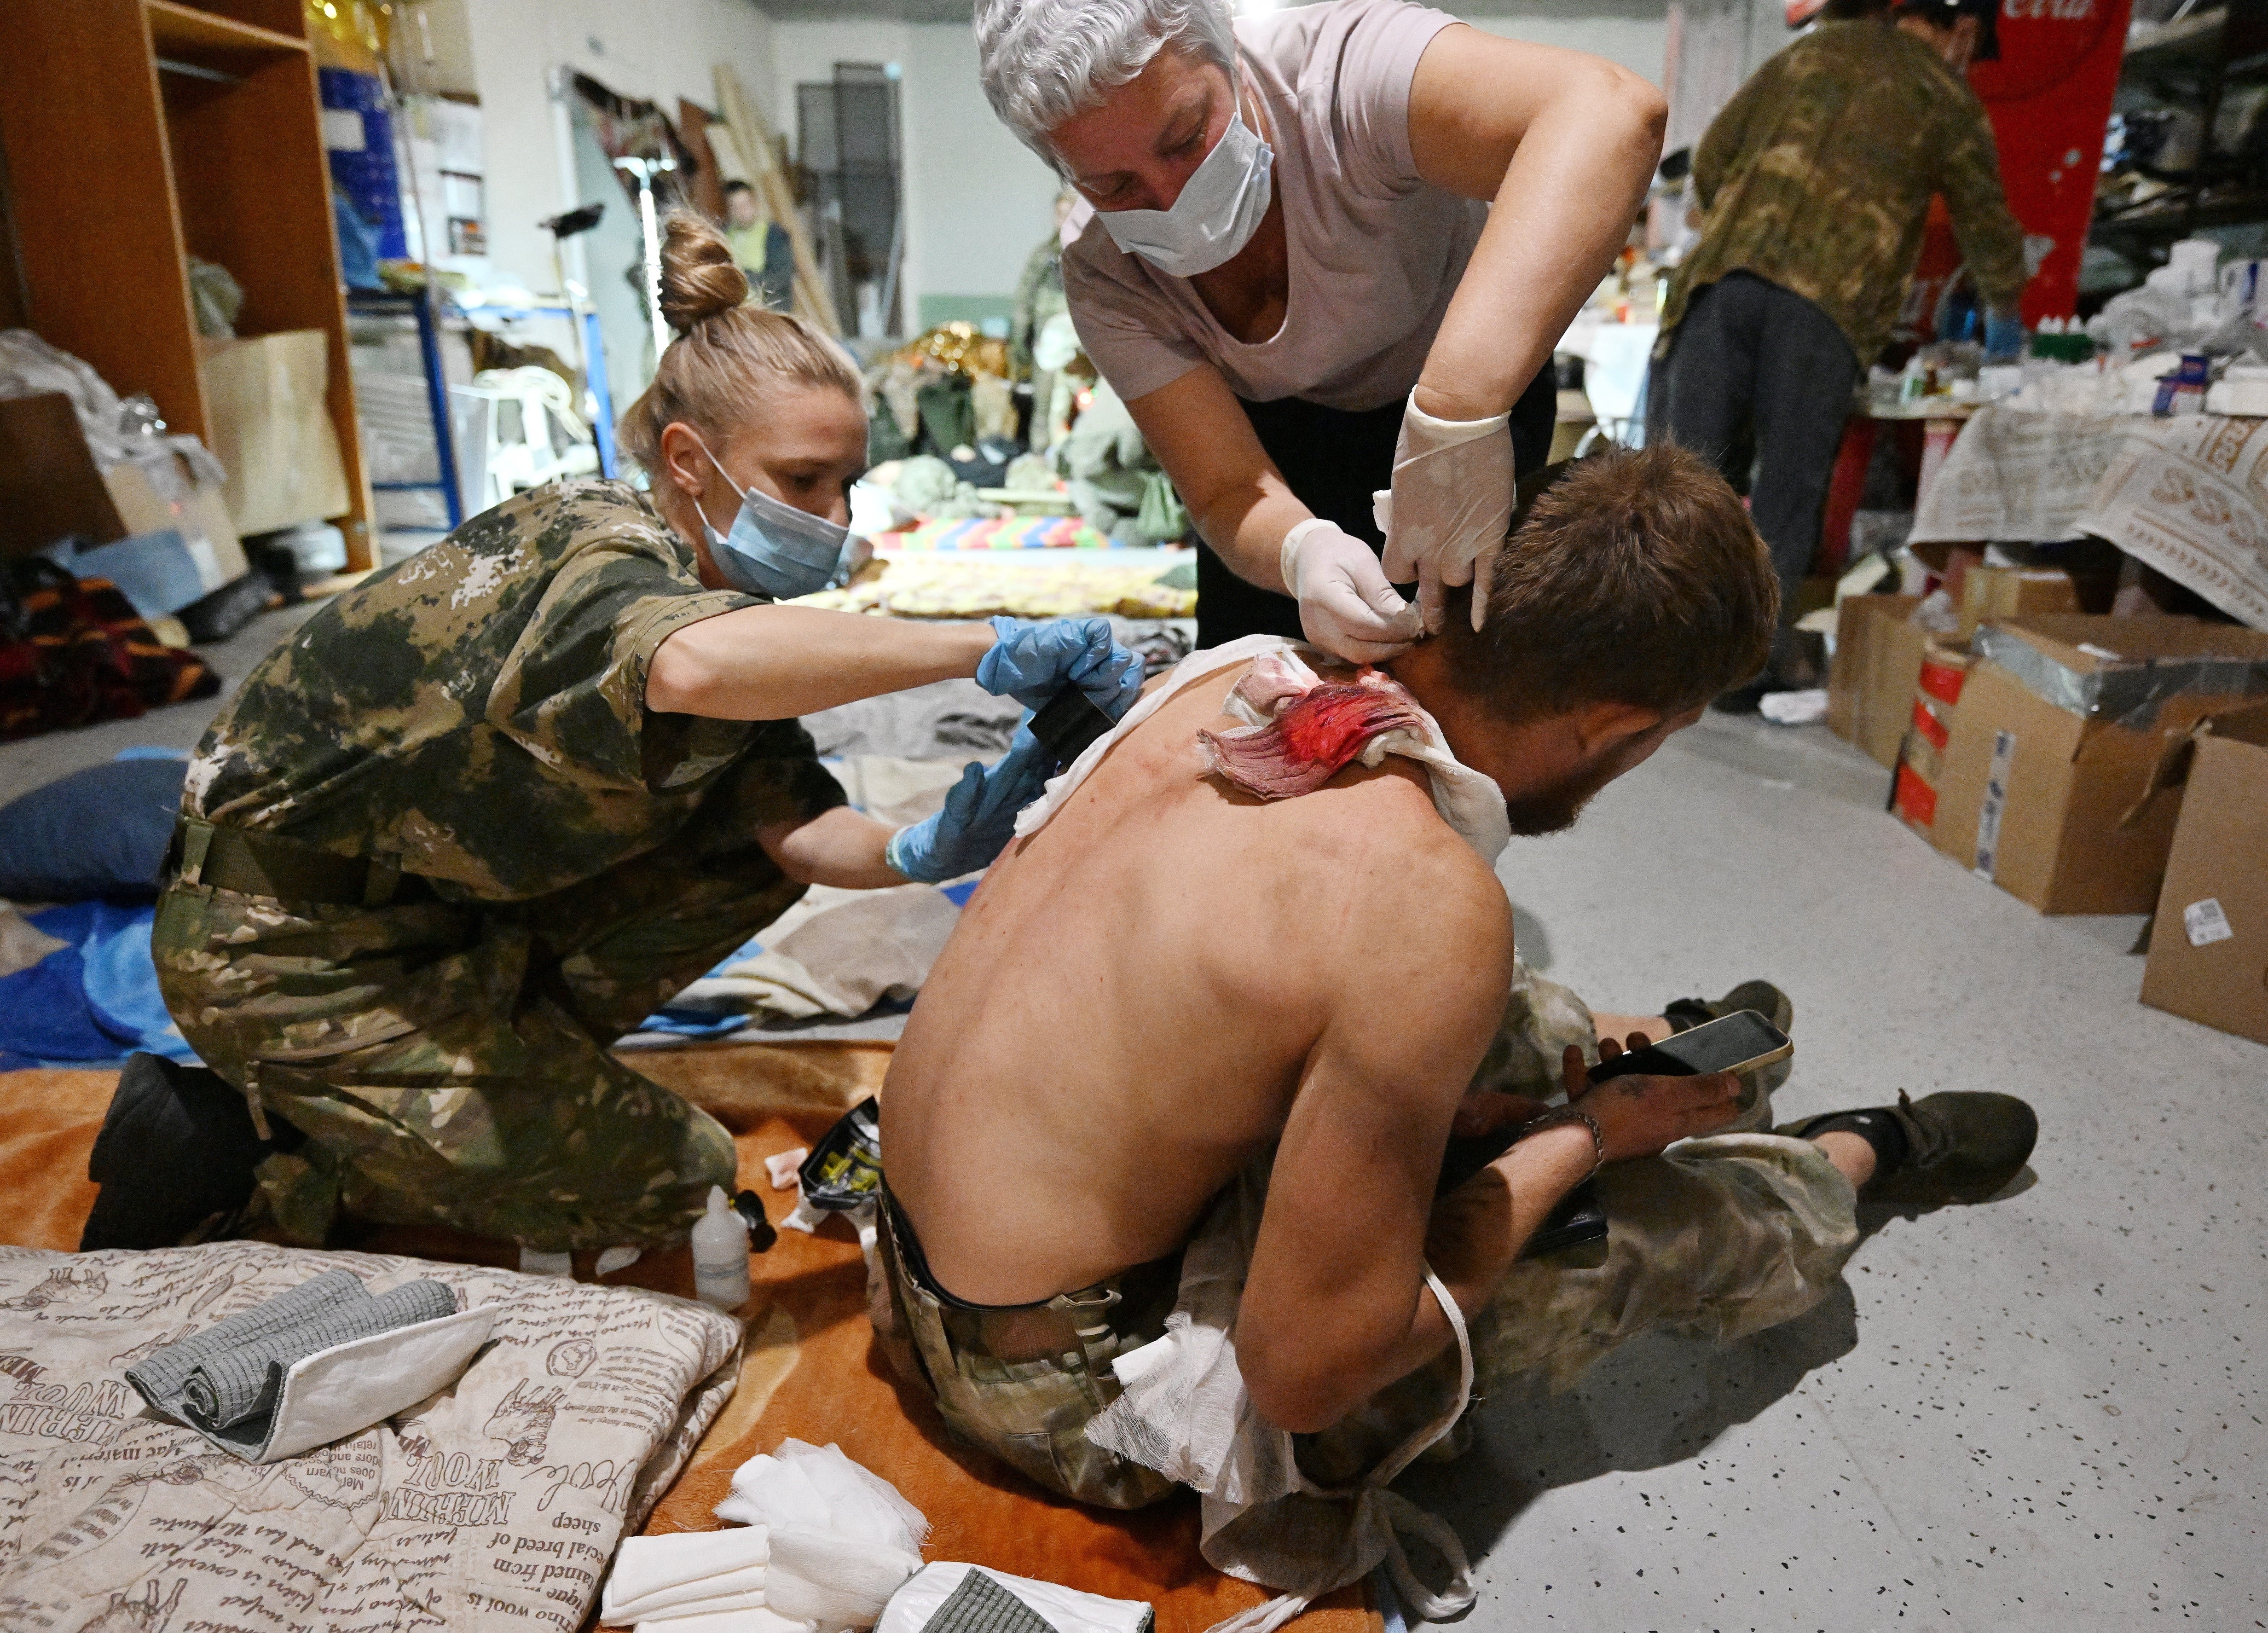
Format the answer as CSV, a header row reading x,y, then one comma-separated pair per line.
x,y
1741,1041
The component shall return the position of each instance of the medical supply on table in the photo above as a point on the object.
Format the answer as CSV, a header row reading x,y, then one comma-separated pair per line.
x,y
720,1254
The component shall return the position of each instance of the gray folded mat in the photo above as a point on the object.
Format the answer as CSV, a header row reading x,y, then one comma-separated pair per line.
x,y
223,1382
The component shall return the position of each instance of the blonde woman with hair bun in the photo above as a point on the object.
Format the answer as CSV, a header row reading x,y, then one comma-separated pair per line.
x,y
488,811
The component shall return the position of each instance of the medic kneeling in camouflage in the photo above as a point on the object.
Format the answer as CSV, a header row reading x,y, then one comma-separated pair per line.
x,y
482,815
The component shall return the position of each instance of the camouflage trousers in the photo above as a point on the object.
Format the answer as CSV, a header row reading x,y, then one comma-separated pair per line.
x,y
1722,1237
1022,1382
448,1061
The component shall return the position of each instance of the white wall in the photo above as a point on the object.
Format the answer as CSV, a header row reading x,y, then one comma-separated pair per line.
x,y
977,200
1633,32
658,50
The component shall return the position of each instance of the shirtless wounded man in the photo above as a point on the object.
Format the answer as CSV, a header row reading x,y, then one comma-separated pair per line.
x,y
1202,1035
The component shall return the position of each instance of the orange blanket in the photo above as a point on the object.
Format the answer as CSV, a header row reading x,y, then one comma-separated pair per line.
x,y
811,1369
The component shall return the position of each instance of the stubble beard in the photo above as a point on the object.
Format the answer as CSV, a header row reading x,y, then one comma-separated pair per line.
x,y
1554,810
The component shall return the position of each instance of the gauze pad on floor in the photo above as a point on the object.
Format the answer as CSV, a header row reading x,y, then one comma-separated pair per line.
x,y
654,1576
839,1540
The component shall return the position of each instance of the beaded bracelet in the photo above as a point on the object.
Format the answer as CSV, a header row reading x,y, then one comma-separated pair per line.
x,y
1563,1115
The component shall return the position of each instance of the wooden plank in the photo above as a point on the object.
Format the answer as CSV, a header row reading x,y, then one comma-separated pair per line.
x,y
99,235
287,17
254,190
187,32
754,139
692,123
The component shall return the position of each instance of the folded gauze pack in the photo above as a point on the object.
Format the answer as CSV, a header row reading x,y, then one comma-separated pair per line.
x,y
693,1574
821,1545
842,1539
961,1598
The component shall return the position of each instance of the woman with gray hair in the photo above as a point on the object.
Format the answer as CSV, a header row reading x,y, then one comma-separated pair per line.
x,y
1295,279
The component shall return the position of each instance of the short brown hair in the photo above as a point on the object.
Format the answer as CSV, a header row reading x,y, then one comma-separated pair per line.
x,y
1636,579
726,350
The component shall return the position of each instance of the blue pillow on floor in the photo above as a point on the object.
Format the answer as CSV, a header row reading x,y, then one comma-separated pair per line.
x,y
99,832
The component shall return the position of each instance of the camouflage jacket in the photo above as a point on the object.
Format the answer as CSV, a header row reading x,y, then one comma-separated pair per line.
x,y
478,710
1817,176
1039,297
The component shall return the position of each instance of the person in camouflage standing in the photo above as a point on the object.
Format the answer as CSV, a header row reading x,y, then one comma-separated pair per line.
x,y
1815,182
483,813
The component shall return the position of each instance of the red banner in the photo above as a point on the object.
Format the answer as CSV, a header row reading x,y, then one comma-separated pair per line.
x,y
2049,97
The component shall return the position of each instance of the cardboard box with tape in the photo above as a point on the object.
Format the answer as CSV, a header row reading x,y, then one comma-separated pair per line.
x,y
2209,944
2051,785
1939,678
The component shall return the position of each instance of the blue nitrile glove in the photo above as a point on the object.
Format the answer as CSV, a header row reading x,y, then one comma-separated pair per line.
x,y
979,818
2004,338
1032,662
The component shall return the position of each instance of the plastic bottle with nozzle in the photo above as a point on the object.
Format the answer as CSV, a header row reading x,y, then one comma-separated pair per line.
x,y
720,1254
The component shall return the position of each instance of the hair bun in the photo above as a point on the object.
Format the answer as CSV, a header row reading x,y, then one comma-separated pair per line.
x,y
699,277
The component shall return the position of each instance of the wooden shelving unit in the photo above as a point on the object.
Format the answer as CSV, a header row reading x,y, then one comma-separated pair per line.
x,y
140,132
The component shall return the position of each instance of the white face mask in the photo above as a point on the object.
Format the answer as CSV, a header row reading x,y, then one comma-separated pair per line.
x,y
1218,212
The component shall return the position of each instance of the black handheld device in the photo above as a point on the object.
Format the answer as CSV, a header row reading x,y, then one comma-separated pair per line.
x,y
1068,723
1741,1041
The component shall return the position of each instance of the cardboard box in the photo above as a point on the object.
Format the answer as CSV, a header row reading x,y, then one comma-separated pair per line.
x,y
1936,701
1995,594
1870,691
2209,946
199,516
2051,785
50,490
1941,674
265,406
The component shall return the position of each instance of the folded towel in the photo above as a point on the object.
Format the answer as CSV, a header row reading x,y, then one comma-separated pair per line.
x,y
706,1599
725,1621
231,1373
655,1574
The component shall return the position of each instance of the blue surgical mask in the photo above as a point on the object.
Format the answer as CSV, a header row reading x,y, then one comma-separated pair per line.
x,y
1218,212
774,549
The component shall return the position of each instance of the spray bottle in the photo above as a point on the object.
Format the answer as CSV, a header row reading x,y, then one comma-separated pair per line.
x,y
720,1254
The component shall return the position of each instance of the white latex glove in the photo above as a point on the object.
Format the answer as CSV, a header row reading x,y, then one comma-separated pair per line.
x,y
1446,516
1346,606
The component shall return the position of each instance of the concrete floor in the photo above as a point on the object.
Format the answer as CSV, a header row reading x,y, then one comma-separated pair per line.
x,y
2043,1413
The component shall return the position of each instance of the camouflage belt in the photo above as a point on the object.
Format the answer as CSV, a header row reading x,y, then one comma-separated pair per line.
x,y
285,870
